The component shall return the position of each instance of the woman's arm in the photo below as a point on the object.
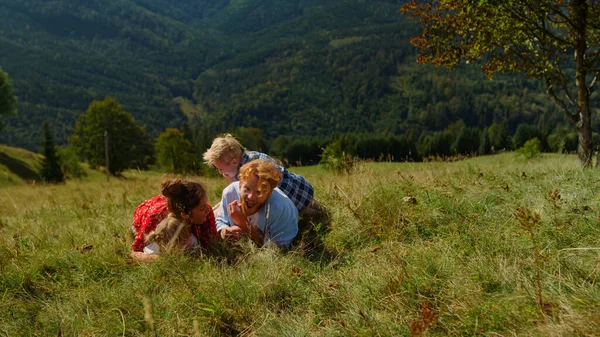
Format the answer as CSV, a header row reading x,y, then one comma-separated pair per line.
x,y
140,256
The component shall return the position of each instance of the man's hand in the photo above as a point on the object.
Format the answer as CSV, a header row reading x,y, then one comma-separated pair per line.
x,y
233,233
237,215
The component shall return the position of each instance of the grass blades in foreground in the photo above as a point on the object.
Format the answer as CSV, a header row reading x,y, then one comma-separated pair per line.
x,y
455,263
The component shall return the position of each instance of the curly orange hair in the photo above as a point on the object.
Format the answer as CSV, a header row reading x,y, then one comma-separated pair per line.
x,y
268,174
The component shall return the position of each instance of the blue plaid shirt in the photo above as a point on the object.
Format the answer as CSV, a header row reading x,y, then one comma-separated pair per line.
x,y
296,188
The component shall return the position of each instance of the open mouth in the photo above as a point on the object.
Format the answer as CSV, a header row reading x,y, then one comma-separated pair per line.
x,y
250,204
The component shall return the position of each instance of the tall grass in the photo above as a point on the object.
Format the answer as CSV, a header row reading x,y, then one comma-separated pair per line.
x,y
456,262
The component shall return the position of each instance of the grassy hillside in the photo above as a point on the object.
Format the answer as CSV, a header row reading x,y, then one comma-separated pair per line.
x,y
19,166
455,263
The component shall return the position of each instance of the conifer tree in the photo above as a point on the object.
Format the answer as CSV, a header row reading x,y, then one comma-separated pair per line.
x,y
7,96
51,170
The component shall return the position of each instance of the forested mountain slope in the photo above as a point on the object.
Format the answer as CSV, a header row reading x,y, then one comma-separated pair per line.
x,y
289,67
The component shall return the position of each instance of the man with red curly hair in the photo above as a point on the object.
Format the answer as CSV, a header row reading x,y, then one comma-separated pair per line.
x,y
255,207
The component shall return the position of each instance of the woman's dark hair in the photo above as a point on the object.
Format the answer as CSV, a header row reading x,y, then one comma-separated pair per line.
x,y
182,196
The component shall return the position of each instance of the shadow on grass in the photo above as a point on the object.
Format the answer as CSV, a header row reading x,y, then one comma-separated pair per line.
x,y
18,167
313,225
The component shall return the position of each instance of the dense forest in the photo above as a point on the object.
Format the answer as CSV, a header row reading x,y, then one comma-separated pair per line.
x,y
304,73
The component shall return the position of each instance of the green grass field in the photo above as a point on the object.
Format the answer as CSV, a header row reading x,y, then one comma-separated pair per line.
x,y
458,262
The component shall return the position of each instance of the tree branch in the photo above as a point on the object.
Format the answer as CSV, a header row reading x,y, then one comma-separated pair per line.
x,y
557,11
591,87
537,26
560,103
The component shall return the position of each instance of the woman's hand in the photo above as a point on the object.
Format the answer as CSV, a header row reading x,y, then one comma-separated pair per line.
x,y
233,233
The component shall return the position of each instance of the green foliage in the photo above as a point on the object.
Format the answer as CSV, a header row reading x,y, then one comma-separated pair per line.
x,y
303,151
69,163
467,141
174,152
539,38
128,145
335,159
51,170
279,147
563,140
498,136
7,97
531,149
19,166
435,144
251,138
526,132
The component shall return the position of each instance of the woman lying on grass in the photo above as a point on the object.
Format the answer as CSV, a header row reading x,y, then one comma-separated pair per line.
x,y
177,220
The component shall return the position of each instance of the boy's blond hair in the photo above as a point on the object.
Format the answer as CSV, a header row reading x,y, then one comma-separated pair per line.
x,y
224,148
268,174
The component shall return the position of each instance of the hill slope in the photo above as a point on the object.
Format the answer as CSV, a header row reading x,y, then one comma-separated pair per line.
x,y
18,165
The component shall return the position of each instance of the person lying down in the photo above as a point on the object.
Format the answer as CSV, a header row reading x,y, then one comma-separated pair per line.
x,y
176,220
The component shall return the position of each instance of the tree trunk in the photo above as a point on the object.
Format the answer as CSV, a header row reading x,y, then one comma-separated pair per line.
x,y
584,126
585,142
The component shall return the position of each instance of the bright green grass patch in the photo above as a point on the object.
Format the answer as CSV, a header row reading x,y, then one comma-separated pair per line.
x,y
18,166
455,263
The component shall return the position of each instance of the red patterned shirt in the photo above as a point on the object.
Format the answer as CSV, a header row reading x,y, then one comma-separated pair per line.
x,y
154,210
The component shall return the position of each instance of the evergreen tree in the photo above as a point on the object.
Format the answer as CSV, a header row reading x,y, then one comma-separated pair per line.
x,y
7,96
51,171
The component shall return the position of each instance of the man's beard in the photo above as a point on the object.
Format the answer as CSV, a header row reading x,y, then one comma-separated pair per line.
x,y
249,211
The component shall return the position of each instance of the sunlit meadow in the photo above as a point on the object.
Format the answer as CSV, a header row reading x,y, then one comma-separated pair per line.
x,y
490,246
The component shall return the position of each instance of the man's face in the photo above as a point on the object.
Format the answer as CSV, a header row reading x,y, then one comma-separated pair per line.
x,y
228,168
252,199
